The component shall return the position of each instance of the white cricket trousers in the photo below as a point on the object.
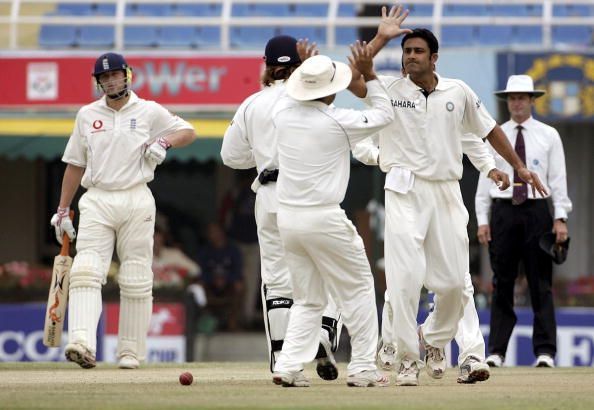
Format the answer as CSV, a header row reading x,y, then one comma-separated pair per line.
x,y
469,337
324,253
426,244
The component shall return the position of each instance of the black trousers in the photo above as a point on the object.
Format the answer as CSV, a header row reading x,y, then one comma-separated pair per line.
x,y
515,232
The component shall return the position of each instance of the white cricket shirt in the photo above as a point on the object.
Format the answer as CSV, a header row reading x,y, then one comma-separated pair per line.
x,y
426,134
314,142
250,141
544,156
110,144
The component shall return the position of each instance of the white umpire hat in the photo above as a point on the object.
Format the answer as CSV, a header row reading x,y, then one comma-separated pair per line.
x,y
318,76
520,84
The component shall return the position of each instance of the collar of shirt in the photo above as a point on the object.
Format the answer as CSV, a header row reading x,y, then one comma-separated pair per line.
x,y
529,123
132,100
439,86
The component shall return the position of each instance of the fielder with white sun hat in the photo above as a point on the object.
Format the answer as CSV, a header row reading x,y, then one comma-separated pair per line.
x,y
323,250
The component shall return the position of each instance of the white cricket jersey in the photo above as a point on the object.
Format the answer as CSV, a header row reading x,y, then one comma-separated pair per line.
x,y
250,141
314,142
544,156
426,134
110,144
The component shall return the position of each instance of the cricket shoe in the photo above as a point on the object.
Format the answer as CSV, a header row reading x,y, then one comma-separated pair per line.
x,y
472,370
290,379
326,367
408,373
80,354
435,360
544,360
128,361
495,360
386,356
368,378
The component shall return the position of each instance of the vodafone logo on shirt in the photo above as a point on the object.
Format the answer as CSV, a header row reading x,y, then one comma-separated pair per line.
x,y
97,124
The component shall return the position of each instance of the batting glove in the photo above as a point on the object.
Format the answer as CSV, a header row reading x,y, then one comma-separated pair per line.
x,y
63,224
157,151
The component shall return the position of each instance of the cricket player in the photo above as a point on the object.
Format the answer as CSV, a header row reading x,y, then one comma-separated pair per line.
x,y
323,249
113,151
250,141
426,242
471,359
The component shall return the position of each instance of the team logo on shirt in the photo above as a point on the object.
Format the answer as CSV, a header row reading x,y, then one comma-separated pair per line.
x,y
535,162
478,103
133,123
450,106
97,124
403,104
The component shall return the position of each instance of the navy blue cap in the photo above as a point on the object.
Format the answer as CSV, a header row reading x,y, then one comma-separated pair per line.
x,y
281,50
109,62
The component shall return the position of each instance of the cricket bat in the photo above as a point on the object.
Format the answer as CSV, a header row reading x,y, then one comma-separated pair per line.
x,y
58,295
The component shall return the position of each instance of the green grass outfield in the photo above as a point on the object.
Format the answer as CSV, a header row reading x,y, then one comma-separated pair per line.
x,y
249,386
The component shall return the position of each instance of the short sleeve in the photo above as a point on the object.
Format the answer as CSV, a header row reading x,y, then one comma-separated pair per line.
x,y
477,119
165,122
76,149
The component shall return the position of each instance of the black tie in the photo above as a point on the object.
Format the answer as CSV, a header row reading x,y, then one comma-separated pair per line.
x,y
520,193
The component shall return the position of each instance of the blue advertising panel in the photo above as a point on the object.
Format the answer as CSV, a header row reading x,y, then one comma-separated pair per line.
x,y
575,338
21,335
567,78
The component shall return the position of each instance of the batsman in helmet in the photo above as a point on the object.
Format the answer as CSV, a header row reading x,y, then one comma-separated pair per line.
x,y
116,144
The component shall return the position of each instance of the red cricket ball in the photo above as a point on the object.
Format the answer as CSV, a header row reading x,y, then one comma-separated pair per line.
x,y
186,378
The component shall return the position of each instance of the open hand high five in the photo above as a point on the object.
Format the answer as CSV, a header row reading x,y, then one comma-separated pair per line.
x,y
391,22
362,59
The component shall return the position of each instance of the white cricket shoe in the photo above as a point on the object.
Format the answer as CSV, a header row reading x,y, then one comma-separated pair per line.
x,y
408,374
128,361
386,356
326,367
495,360
435,359
368,378
290,379
80,354
544,360
472,370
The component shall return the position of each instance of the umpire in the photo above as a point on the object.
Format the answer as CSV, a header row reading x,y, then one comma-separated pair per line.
x,y
518,221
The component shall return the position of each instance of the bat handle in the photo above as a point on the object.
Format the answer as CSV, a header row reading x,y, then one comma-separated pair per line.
x,y
65,250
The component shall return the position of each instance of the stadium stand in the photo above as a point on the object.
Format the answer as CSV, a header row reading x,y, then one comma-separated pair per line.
x,y
249,23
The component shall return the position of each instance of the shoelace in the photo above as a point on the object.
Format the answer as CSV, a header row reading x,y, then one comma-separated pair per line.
x,y
389,349
408,369
435,354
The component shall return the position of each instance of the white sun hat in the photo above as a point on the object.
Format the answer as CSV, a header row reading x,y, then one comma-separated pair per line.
x,y
520,84
318,77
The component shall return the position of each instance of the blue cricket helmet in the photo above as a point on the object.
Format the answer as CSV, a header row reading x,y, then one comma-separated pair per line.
x,y
109,62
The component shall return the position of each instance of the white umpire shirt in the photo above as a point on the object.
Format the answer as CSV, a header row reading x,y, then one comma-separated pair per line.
x,y
314,142
250,140
425,138
544,156
110,144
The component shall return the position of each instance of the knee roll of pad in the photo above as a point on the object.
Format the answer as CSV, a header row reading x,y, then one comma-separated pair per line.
x,y
88,270
135,279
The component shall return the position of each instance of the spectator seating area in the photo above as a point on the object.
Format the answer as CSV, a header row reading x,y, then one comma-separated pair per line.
x,y
249,36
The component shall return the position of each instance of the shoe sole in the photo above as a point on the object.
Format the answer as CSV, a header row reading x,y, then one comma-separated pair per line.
x,y
81,360
327,371
280,382
407,383
479,375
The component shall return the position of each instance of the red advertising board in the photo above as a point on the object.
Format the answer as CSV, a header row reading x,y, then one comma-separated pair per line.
x,y
185,81
168,319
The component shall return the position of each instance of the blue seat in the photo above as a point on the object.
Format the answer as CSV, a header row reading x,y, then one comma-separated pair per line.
x,y
312,10
457,36
313,34
516,10
207,36
250,37
572,10
148,9
527,35
420,10
578,35
198,10
259,9
74,9
140,36
96,36
177,36
104,9
346,35
347,10
465,10
495,35
53,36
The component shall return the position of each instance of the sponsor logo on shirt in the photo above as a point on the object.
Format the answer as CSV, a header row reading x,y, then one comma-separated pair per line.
x,y
148,218
403,104
365,120
97,125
